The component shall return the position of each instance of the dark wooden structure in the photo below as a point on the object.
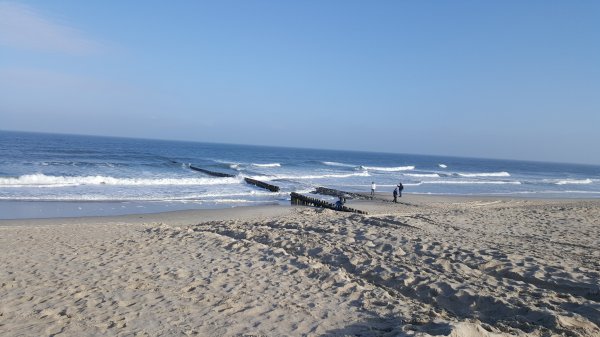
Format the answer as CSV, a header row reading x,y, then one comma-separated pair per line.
x,y
262,184
212,173
299,199
337,193
250,181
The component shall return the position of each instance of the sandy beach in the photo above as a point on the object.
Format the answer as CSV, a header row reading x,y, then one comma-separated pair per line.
x,y
429,266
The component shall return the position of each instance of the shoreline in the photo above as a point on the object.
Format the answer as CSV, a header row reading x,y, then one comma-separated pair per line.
x,y
173,217
157,207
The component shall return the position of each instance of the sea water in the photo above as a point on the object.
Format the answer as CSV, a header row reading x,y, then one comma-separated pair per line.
x,y
45,175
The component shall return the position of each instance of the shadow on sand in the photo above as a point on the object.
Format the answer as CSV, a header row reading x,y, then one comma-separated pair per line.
x,y
388,327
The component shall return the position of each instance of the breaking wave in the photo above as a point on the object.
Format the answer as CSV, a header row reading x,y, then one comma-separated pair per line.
x,y
443,165
422,175
388,169
202,197
574,182
267,165
43,180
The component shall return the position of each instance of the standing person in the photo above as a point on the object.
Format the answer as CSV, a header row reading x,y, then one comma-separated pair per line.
x,y
400,188
340,203
396,194
373,187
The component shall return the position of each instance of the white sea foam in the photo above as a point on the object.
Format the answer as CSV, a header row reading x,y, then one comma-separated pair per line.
x,y
83,197
333,163
231,201
423,175
102,198
322,176
442,165
58,181
304,191
464,182
266,165
388,169
485,174
583,192
230,164
252,193
574,182
409,184
203,197
545,192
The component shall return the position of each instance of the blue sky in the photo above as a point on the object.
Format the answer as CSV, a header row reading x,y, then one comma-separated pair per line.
x,y
495,79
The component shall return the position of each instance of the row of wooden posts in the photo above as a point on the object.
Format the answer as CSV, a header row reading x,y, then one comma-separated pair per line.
x,y
299,199
296,198
337,193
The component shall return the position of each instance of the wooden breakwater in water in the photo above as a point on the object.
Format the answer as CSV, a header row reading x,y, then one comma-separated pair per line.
x,y
262,184
212,173
258,183
337,193
299,199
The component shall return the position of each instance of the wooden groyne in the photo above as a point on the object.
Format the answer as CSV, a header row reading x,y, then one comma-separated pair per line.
x,y
337,193
299,199
262,184
250,181
212,173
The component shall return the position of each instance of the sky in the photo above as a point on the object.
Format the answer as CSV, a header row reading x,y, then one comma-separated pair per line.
x,y
491,79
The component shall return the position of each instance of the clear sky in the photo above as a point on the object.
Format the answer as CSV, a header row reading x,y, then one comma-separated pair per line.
x,y
495,79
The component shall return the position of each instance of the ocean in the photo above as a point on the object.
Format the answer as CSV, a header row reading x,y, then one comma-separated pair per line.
x,y
48,175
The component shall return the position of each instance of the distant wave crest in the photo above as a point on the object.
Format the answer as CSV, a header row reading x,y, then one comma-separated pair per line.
x,y
423,175
485,174
321,176
464,182
333,163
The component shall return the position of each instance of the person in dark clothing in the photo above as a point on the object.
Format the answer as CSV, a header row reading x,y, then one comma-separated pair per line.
x,y
340,203
396,194
400,188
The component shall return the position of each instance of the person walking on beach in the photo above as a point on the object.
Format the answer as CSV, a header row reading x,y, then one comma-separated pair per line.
x,y
396,195
373,187
400,188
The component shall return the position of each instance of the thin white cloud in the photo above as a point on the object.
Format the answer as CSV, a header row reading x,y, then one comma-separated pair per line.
x,y
23,27
37,86
49,80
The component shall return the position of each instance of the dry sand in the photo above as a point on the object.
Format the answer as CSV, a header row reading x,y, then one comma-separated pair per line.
x,y
428,266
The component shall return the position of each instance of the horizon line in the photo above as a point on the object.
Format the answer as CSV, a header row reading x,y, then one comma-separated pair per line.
x,y
302,148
